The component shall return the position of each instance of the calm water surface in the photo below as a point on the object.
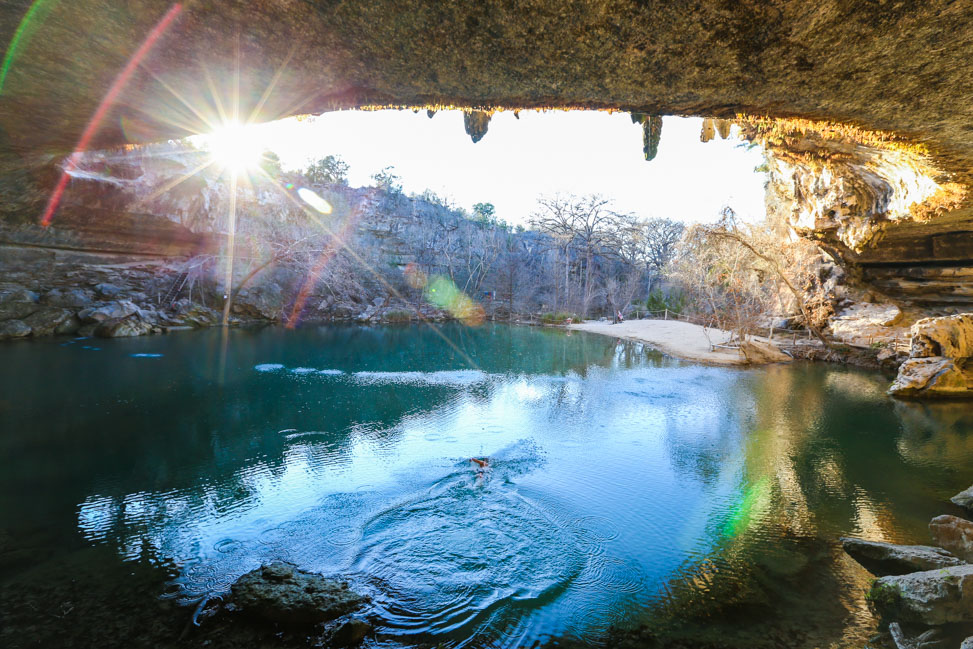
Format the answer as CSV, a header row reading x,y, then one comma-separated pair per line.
x,y
625,489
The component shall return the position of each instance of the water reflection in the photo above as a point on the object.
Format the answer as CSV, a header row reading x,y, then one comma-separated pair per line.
x,y
626,490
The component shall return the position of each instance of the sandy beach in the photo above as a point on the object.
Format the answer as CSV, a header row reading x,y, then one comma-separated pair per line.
x,y
676,338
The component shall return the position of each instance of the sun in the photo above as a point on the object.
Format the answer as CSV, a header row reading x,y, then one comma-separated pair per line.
x,y
236,147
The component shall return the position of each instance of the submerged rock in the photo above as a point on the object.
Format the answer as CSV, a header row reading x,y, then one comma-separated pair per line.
x,y
280,592
350,632
883,559
931,597
964,498
954,534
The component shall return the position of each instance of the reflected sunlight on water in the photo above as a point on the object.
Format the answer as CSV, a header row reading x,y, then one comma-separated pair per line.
x,y
623,488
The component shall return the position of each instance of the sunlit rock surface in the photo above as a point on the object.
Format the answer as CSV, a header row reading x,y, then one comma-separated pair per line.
x,y
954,534
890,559
932,597
940,362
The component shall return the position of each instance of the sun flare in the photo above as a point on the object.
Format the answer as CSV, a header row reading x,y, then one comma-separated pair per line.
x,y
236,147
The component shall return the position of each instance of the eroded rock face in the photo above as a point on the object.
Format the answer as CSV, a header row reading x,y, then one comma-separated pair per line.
x,y
953,534
280,592
890,559
949,336
931,597
940,363
933,377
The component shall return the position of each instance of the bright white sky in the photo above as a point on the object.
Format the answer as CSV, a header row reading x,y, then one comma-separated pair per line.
x,y
577,152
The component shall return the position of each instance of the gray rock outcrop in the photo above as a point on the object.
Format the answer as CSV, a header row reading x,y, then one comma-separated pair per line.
x,y
280,592
883,559
964,498
931,597
953,534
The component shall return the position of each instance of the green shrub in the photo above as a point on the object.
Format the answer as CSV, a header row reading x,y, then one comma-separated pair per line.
x,y
560,318
398,316
675,301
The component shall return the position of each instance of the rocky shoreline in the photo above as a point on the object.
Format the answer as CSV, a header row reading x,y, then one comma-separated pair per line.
x,y
924,593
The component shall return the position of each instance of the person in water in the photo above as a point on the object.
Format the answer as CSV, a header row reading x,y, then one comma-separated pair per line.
x,y
482,464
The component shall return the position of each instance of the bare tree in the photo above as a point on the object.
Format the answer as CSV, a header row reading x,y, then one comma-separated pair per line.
x,y
650,244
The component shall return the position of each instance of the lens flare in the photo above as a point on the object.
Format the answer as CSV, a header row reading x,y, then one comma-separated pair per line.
x,y
444,294
235,146
106,103
28,26
315,201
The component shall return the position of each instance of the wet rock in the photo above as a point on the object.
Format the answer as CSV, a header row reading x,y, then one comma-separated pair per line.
x,y
13,329
280,592
931,597
123,328
114,311
954,534
47,322
17,304
964,498
890,559
757,352
933,377
949,336
350,632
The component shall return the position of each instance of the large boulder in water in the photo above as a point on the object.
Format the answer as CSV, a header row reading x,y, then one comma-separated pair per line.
x,y
954,534
932,597
941,359
890,559
280,592
934,377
